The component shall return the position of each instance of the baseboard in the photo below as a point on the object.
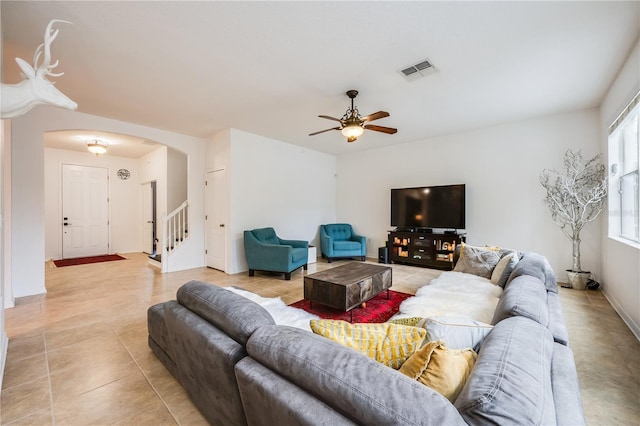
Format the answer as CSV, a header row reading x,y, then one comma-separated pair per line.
x,y
635,329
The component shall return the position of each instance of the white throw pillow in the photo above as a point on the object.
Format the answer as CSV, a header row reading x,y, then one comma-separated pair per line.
x,y
458,332
503,269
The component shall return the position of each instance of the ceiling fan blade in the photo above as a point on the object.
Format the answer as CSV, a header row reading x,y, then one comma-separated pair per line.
x,y
375,116
322,131
330,118
389,130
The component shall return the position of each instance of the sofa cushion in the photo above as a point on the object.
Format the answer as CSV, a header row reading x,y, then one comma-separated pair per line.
x,y
538,266
356,386
557,325
235,315
269,399
442,369
525,296
477,260
456,331
503,269
387,343
566,389
346,245
511,381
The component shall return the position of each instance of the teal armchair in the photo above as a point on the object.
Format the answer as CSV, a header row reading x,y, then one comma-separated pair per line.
x,y
339,240
265,251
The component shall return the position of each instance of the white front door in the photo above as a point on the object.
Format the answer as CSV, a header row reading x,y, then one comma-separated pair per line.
x,y
85,211
216,199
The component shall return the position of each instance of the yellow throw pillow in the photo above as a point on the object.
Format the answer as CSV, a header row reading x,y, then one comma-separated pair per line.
x,y
412,321
389,344
443,370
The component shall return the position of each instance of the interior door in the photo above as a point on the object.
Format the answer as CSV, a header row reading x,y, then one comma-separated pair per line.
x,y
148,217
85,211
215,215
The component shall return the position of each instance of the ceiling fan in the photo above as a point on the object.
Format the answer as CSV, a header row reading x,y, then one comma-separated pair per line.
x,y
353,125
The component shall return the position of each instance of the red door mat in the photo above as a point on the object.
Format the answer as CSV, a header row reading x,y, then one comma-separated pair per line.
x,y
85,260
378,309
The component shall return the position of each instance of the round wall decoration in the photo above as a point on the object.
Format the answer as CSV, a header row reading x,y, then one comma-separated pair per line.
x,y
124,174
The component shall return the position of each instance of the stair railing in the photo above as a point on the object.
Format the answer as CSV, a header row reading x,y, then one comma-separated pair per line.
x,y
176,228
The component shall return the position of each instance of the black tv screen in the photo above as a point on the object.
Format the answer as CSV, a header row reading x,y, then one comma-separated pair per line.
x,y
429,207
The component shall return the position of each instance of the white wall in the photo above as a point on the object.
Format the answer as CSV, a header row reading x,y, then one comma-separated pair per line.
x,y
5,289
176,179
279,185
27,205
28,208
621,262
500,166
5,203
124,212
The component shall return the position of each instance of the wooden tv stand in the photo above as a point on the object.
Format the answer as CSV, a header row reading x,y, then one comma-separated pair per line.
x,y
426,249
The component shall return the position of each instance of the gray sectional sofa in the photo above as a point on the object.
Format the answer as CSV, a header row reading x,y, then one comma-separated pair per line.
x,y
239,367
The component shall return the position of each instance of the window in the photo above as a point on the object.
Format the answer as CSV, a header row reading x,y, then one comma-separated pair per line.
x,y
624,187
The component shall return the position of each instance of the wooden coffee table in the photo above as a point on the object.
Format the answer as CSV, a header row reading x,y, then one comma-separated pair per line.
x,y
347,286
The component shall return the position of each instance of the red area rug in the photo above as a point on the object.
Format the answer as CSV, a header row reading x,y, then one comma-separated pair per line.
x,y
378,309
85,260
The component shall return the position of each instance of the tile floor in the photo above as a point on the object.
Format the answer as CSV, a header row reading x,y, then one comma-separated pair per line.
x,y
78,355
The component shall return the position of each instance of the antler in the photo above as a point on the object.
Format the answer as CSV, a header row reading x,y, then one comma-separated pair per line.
x,y
49,36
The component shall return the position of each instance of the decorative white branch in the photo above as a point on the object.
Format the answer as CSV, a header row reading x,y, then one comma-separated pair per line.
x,y
576,196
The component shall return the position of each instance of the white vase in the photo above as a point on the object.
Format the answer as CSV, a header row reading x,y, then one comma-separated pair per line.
x,y
578,280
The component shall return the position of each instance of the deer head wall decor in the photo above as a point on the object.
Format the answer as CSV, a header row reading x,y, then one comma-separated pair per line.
x,y
35,89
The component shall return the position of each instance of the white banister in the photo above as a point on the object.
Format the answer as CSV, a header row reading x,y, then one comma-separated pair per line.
x,y
176,229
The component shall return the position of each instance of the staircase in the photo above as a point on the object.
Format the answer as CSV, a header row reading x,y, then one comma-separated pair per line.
x,y
175,233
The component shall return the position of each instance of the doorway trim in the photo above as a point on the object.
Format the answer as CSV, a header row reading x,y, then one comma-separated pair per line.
x,y
216,220
154,216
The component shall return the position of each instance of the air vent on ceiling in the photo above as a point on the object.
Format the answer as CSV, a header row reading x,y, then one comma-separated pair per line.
x,y
421,69
146,142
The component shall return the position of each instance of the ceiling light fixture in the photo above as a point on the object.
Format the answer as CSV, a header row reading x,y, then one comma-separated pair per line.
x,y
352,130
97,146
353,125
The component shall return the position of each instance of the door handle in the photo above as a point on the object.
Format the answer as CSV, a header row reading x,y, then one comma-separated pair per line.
x,y
221,225
66,224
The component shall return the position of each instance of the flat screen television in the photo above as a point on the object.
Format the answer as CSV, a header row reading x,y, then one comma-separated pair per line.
x,y
429,207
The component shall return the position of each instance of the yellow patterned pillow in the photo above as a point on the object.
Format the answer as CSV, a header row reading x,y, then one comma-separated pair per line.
x,y
412,321
389,344
443,370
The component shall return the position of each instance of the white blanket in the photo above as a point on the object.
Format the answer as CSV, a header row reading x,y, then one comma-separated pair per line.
x,y
281,313
454,293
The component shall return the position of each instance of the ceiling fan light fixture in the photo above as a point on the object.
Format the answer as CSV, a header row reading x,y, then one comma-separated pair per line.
x,y
352,131
353,125
97,146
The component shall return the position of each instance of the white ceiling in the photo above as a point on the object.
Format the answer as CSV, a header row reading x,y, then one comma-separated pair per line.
x,y
271,67
117,144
